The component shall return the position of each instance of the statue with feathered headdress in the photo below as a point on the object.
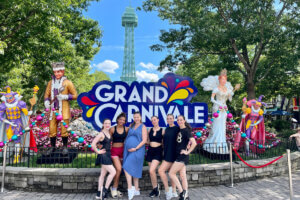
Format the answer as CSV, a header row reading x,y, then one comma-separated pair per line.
x,y
13,119
252,127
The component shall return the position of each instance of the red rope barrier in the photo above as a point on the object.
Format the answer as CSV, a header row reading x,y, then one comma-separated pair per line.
x,y
269,163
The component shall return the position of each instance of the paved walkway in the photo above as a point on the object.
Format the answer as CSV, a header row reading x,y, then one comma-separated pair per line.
x,y
269,188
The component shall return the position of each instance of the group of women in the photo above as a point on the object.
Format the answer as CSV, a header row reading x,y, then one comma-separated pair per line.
x,y
170,147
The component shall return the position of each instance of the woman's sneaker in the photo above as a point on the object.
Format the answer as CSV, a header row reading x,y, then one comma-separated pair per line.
x,y
173,193
105,193
98,196
131,193
113,192
155,192
183,195
169,195
136,192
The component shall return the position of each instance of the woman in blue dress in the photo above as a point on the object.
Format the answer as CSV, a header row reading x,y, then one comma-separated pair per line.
x,y
134,152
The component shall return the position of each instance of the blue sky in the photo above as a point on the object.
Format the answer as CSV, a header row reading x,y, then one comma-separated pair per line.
x,y
110,57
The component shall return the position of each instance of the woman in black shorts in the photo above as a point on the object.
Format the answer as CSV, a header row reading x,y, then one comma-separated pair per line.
x,y
154,153
169,157
104,158
182,156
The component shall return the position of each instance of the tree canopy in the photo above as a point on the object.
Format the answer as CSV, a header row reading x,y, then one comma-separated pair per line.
x,y
35,33
259,39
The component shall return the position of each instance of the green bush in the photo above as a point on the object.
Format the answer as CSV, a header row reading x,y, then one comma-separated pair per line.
x,y
280,125
286,133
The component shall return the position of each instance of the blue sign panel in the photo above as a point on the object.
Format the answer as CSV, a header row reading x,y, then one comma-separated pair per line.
x,y
171,94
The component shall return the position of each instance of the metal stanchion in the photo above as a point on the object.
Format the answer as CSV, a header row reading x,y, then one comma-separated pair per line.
x,y
231,167
290,173
3,168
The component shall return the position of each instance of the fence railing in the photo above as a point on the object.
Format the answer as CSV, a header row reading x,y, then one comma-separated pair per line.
x,y
203,154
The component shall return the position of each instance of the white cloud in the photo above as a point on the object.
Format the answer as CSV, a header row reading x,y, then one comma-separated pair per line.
x,y
145,76
153,68
165,70
149,66
108,66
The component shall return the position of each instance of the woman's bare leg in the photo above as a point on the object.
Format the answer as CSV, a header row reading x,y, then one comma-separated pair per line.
x,y
176,167
182,173
118,167
112,172
152,170
101,178
128,179
163,176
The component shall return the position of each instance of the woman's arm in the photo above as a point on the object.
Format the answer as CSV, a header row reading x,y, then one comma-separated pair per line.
x,y
98,138
191,148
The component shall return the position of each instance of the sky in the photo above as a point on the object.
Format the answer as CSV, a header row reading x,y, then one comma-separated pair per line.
x,y
110,57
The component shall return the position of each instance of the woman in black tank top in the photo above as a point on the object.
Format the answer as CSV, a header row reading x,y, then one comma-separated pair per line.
x,y
154,153
118,134
104,158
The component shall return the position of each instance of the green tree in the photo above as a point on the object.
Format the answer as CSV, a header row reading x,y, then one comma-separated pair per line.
x,y
259,39
35,33
38,32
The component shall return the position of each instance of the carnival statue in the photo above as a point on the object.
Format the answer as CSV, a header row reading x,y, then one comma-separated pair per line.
x,y
13,120
252,127
58,93
215,145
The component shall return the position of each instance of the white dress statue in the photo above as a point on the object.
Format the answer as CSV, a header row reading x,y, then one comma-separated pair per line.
x,y
223,91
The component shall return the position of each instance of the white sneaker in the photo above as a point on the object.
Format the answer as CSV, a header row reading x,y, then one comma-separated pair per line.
x,y
173,193
136,192
131,193
169,194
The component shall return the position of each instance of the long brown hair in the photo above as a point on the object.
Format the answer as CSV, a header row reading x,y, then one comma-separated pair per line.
x,y
187,125
133,123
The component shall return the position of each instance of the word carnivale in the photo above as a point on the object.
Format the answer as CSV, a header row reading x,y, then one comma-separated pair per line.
x,y
170,95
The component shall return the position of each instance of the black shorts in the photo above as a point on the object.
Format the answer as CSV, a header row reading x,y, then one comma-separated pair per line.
x,y
182,158
154,153
104,159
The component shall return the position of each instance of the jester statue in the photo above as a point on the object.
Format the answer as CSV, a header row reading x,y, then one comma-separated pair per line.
x,y
215,146
13,120
58,93
252,127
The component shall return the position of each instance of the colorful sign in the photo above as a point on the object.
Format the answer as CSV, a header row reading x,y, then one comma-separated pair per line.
x,y
171,94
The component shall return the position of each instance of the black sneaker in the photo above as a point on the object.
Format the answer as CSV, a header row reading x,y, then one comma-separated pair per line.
x,y
155,192
98,196
105,193
183,195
